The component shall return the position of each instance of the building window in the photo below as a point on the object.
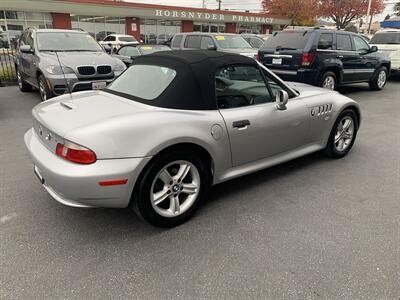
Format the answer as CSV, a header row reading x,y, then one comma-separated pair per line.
x,y
208,27
158,31
248,28
97,26
12,23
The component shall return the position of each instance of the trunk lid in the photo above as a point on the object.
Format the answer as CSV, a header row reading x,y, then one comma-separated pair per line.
x,y
63,113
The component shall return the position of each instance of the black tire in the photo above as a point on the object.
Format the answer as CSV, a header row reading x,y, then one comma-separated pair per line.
x,y
375,84
22,84
44,90
331,75
331,149
141,202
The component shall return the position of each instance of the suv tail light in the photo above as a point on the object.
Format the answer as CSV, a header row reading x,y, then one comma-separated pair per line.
x,y
258,56
76,153
307,59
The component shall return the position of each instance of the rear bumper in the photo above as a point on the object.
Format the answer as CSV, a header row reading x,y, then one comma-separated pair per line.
x,y
78,185
309,76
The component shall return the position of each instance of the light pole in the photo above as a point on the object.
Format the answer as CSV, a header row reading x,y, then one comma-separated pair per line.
x,y
368,13
219,4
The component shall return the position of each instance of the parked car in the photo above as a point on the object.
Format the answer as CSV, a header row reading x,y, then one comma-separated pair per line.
x,y
116,41
224,42
327,58
254,40
60,61
173,124
129,52
101,35
162,38
388,42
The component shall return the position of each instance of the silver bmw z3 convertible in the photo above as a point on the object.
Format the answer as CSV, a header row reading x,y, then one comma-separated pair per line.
x,y
175,123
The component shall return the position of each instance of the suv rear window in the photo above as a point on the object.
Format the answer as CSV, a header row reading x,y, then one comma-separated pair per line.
x,y
386,38
288,40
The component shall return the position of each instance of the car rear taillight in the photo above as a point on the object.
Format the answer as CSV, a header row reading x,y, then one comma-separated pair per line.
x,y
258,56
76,153
307,59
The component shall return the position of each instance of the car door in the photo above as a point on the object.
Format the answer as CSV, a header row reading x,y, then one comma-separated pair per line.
x,y
367,61
30,60
348,57
256,128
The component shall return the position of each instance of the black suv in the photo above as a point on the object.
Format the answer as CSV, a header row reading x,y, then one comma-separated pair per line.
x,y
327,58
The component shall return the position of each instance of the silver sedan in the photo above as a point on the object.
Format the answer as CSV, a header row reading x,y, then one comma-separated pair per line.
x,y
175,123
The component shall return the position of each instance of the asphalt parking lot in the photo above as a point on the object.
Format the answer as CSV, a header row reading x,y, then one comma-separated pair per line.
x,y
313,228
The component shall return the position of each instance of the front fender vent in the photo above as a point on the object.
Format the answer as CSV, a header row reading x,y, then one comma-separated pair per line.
x,y
321,110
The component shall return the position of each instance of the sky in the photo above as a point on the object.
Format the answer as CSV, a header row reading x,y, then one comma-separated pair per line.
x,y
241,5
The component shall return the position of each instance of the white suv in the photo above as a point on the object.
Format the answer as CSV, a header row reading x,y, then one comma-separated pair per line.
x,y
388,41
116,41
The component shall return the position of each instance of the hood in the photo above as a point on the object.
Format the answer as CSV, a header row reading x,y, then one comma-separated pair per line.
x,y
250,52
75,59
308,90
65,113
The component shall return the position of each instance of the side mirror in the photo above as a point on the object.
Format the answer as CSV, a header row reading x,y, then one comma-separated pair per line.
x,y
211,47
26,49
282,98
107,49
374,49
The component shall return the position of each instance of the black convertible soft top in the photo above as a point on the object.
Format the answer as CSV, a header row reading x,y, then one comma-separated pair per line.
x,y
193,88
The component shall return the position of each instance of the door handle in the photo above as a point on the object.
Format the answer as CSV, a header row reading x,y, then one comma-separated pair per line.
x,y
339,56
241,124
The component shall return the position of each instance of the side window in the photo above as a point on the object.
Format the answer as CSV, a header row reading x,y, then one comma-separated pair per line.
x,y
193,41
131,51
206,41
360,44
239,86
325,41
29,40
343,42
106,39
255,43
176,43
22,40
111,38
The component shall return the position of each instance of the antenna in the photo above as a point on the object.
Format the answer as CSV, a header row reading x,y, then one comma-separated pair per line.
x,y
65,78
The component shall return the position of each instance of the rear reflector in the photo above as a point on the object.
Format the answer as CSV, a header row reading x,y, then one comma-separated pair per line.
x,y
113,182
76,153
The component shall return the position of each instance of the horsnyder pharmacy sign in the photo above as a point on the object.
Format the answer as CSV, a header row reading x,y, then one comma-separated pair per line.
x,y
215,17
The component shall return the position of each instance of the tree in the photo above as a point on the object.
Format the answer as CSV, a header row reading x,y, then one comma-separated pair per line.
x,y
396,9
342,12
299,12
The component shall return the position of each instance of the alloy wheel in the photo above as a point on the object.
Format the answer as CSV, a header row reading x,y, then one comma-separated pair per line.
x,y
381,79
344,134
175,188
329,83
19,79
42,90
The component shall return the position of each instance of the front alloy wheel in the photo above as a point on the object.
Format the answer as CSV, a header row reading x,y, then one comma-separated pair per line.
x,y
171,188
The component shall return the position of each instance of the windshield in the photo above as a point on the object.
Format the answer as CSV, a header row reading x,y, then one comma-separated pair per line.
x,y
143,81
386,38
288,40
152,49
231,42
66,41
127,39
